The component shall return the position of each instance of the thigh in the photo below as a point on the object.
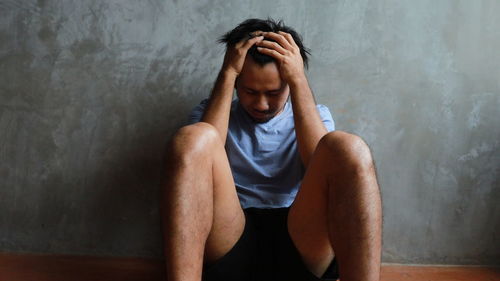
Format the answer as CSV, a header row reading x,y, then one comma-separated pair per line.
x,y
308,217
228,218
240,262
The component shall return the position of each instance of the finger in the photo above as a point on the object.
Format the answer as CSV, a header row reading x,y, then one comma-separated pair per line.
x,y
278,38
256,33
243,43
250,42
289,38
270,52
272,45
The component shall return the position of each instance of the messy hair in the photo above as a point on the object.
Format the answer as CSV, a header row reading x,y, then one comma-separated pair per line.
x,y
243,30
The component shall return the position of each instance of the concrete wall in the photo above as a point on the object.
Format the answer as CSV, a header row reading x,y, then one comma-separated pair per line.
x,y
91,90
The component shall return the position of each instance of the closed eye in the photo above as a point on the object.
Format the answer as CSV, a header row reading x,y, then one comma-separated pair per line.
x,y
249,91
274,93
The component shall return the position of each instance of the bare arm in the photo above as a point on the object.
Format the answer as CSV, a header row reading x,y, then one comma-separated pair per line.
x,y
219,104
308,125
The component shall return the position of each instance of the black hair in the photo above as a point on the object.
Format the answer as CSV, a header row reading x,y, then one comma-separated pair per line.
x,y
243,30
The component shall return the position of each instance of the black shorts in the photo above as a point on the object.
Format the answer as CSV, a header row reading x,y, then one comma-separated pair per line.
x,y
264,252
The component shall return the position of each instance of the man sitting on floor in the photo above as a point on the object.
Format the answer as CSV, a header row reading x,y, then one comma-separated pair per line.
x,y
262,187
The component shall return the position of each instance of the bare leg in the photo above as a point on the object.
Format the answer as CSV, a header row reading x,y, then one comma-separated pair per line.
x,y
202,217
338,210
355,209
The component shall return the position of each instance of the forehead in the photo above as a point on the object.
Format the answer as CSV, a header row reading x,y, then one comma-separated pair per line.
x,y
258,77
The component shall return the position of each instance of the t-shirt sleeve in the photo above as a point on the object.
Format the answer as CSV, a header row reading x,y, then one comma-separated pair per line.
x,y
326,117
197,112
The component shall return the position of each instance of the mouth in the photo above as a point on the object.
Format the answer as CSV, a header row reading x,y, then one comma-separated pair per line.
x,y
261,117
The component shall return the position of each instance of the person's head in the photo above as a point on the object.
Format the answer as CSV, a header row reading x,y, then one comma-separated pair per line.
x,y
244,30
261,91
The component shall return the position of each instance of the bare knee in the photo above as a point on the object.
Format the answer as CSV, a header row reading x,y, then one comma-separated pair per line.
x,y
348,151
194,137
192,140
351,166
188,153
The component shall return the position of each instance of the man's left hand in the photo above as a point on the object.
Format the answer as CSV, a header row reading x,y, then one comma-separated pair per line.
x,y
286,53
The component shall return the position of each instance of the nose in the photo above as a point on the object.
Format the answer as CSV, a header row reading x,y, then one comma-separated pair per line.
x,y
260,103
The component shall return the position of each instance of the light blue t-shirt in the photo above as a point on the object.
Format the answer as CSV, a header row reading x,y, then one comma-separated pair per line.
x,y
264,158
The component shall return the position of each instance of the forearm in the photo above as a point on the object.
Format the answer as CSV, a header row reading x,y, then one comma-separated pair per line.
x,y
309,128
219,104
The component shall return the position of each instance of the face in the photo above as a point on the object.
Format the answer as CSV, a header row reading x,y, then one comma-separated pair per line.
x,y
261,91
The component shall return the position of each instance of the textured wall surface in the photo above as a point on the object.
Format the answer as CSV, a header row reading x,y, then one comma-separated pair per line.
x,y
91,90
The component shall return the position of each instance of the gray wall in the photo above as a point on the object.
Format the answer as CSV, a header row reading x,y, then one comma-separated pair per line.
x,y
91,90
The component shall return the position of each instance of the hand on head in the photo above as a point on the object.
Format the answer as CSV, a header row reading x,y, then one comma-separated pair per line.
x,y
235,55
285,52
279,46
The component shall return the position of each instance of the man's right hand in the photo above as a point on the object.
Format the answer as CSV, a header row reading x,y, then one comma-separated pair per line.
x,y
235,55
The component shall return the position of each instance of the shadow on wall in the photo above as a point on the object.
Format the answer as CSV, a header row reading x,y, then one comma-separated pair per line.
x,y
130,177
98,139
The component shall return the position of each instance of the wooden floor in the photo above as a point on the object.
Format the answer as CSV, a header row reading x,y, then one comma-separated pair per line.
x,y
16,267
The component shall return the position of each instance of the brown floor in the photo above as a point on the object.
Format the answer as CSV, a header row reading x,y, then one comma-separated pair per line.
x,y
434,273
17,267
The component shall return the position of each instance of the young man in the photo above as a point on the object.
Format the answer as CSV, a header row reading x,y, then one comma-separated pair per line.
x,y
262,187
